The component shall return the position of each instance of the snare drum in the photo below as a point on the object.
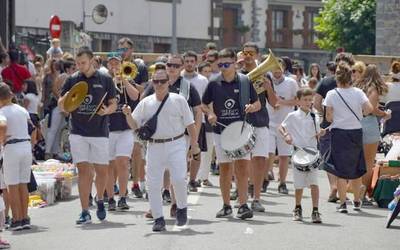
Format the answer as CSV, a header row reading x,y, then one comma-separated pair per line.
x,y
237,144
305,161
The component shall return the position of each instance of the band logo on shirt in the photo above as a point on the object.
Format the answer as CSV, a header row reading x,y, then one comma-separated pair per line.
x,y
229,112
87,107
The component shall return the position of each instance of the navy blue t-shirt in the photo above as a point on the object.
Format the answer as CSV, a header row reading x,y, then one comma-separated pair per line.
x,y
226,101
98,85
117,119
260,118
324,86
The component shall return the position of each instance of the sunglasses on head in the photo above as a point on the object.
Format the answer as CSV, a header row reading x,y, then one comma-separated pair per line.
x,y
174,65
161,81
249,53
225,65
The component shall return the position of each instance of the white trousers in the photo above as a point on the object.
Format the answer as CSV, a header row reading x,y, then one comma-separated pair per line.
x,y
53,137
206,158
159,156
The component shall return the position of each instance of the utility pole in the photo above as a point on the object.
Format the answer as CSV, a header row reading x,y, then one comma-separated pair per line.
x,y
174,46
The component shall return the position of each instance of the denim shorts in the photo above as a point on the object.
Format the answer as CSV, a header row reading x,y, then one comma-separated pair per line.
x,y
370,129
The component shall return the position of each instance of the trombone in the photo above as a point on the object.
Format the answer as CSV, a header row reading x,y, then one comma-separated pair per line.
x,y
128,72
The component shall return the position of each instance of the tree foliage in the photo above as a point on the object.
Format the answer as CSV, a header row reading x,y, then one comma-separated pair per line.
x,y
349,24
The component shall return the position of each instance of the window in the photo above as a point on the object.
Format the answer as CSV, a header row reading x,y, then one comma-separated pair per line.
x,y
310,35
279,27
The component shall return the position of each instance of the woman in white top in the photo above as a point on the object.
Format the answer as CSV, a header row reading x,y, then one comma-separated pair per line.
x,y
372,84
345,106
31,103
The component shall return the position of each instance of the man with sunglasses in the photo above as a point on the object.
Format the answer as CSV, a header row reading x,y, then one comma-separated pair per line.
x,y
200,83
221,103
259,120
177,84
167,146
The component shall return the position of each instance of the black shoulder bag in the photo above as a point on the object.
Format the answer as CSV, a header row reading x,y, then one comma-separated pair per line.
x,y
148,129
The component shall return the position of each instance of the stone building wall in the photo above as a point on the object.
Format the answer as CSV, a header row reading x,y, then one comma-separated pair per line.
x,y
387,27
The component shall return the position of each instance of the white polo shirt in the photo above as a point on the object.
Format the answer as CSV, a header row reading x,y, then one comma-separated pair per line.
x,y
300,126
173,118
285,90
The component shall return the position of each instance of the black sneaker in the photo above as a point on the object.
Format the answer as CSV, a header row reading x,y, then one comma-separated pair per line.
x,y
234,195
251,190
316,217
181,217
172,210
283,189
357,205
226,211
298,214
84,218
101,210
342,208
112,204
198,183
159,225
122,205
26,223
265,186
333,199
244,212
166,195
192,186
137,192
15,225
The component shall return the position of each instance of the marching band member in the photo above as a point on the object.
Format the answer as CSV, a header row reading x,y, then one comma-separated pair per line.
x,y
121,136
221,103
300,128
259,120
89,138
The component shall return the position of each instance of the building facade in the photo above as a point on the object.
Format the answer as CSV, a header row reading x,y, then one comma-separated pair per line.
x,y
387,28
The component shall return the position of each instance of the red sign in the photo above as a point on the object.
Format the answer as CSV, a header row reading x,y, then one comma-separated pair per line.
x,y
55,27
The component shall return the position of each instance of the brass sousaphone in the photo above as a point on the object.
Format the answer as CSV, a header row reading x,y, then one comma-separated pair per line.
x,y
257,75
76,95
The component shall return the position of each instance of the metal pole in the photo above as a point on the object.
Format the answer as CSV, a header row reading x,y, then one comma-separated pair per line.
x,y
174,47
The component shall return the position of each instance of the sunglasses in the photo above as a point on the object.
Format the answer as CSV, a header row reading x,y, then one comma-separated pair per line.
x,y
225,65
174,65
162,81
249,53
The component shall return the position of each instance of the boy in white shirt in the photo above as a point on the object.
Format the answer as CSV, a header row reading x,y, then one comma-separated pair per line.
x,y
300,128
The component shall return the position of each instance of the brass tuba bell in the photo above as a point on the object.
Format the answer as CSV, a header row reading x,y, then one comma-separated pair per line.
x,y
256,75
129,70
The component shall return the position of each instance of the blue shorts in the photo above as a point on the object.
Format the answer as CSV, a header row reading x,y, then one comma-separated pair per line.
x,y
370,129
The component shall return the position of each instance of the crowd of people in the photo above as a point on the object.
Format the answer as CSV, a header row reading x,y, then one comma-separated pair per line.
x,y
164,129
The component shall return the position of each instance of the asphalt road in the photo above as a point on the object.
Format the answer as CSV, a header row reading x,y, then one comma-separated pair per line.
x,y
54,226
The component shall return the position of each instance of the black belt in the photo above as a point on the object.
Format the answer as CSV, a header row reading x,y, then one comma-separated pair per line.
x,y
166,140
13,141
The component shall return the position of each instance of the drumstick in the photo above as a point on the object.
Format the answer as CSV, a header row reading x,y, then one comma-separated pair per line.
x,y
244,121
223,125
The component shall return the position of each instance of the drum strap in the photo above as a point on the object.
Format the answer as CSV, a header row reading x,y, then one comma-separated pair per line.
x,y
315,127
244,91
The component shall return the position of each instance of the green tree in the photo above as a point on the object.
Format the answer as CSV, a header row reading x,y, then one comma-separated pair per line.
x,y
349,24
